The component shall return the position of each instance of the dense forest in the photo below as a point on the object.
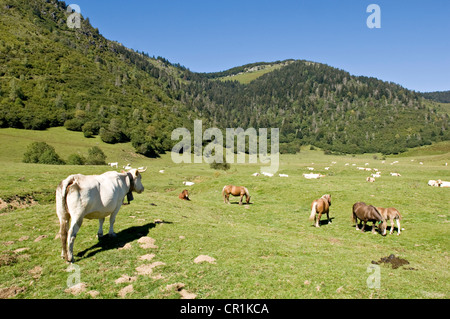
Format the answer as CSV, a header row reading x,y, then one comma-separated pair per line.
x,y
438,96
51,75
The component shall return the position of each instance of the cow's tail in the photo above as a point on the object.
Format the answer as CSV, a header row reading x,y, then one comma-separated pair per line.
x,y
313,211
63,211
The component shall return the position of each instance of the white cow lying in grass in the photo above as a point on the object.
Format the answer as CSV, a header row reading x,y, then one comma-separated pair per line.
x,y
432,182
443,184
267,174
188,183
313,176
283,175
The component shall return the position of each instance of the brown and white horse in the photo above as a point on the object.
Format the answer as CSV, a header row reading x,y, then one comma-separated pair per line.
x,y
391,213
184,195
368,213
320,206
235,191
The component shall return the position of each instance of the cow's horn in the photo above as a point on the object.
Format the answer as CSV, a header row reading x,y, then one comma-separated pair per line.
x,y
142,170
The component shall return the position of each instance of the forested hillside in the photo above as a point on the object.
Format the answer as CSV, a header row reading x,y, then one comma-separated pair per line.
x,y
317,104
438,96
52,75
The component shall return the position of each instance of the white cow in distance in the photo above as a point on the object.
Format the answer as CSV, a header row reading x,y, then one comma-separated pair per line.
x,y
313,176
116,165
188,183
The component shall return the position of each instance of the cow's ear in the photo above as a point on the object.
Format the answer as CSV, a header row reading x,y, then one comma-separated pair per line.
x,y
136,174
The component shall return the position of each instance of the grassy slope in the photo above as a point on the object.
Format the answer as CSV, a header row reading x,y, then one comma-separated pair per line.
x,y
247,77
265,250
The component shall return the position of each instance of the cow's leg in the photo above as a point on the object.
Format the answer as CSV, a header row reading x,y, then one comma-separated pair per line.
x,y
64,228
328,217
73,230
240,201
373,228
112,219
100,227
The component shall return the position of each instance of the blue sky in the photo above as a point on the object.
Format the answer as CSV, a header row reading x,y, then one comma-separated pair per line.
x,y
412,47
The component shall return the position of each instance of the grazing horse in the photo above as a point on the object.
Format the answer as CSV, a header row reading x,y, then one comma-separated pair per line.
x,y
368,213
391,214
320,206
235,191
184,195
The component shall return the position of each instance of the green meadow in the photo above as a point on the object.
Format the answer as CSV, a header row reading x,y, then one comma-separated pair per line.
x,y
268,249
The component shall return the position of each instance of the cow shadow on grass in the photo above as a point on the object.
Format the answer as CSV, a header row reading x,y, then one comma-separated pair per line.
x,y
123,237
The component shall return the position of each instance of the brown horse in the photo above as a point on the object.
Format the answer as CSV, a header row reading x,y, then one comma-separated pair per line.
x,y
235,191
320,206
368,213
391,213
184,195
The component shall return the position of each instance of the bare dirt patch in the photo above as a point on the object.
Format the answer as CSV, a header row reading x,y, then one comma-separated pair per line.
x,y
148,269
147,257
147,242
17,201
179,287
125,279
204,258
10,292
125,291
8,259
76,289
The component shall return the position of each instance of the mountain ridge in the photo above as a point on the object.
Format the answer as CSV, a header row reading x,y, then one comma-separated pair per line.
x,y
52,75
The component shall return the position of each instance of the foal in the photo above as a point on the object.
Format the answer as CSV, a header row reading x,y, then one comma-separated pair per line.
x,y
391,213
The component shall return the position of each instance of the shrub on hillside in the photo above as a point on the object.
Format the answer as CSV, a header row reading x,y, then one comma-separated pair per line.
x,y
42,153
76,159
95,156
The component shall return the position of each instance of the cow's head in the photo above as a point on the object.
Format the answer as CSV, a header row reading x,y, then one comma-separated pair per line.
x,y
137,185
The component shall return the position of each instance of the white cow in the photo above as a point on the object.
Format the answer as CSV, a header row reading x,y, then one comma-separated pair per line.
x,y
267,174
116,165
434,183
128,167
312,176
283,175
370,179
255,174
443,184
188,183
395,174
92,197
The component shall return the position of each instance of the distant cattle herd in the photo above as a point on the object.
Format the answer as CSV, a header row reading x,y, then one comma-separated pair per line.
x,y
100,196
